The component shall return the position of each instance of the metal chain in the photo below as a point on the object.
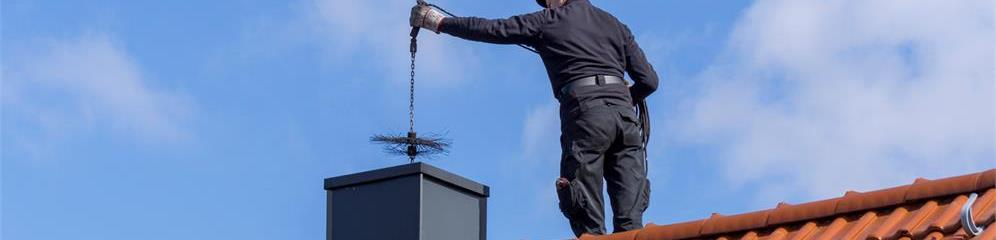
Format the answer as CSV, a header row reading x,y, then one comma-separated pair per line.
x,y
411,89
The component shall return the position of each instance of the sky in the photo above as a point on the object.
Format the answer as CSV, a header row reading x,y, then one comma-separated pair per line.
x,y
220,119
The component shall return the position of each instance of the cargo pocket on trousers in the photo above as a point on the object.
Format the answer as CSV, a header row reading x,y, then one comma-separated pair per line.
x,y
630,117
572,199
632,135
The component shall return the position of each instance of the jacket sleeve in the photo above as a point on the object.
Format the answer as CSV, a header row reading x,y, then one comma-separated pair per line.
x,y
521,29
639,69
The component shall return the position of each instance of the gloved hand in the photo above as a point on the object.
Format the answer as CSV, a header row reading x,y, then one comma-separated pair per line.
x,y
426,17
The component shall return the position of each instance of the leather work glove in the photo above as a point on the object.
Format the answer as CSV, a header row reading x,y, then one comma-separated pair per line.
x,y
426,17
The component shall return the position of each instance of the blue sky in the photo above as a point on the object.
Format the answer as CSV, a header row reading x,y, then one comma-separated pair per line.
x,y
219,119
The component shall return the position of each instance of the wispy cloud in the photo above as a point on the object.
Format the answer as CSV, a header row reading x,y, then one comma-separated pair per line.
x,y
61,87
378,31
540,155
540,131
538,163
817,97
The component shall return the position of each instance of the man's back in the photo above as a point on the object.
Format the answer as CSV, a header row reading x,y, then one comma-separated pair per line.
x,y
582,40
575,40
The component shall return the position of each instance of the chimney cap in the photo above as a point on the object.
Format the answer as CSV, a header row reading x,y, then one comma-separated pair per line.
x,y
407,170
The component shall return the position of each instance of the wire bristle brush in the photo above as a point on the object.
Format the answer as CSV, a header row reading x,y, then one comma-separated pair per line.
x,y
412,145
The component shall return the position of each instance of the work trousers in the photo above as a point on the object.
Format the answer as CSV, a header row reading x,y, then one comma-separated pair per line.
x,y
602,138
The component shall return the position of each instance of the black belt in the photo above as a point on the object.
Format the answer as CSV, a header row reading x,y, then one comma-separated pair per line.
x,y
591,81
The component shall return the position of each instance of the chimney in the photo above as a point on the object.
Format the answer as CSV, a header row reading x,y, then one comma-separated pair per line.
x,y
414,201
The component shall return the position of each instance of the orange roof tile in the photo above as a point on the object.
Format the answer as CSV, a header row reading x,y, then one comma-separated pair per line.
x,y
926,209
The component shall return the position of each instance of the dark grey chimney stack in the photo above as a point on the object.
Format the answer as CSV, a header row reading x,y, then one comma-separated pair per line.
x,y
415,201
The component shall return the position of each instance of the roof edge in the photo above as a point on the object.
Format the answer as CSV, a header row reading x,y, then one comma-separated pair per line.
x,y
851,202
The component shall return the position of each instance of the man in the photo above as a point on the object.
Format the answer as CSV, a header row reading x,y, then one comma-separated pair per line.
x,y
586,51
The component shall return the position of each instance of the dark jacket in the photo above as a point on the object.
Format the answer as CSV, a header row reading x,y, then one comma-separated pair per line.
x,y
575,40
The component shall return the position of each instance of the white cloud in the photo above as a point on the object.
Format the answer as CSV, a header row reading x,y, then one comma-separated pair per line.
x,y
540,155
541,131
60,87
379,29
526,191
824,96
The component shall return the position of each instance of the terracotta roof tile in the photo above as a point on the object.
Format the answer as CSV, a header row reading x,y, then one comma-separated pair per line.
x,y
875,199
989,234
720,224
987,180
683,230
926,209
860,226
947,186
811,210
888,226
778,234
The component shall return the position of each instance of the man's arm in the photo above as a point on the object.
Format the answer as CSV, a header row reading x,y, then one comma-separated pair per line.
x,y
521,29
642,73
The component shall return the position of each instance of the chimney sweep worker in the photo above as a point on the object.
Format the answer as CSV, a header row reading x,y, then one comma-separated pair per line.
x,y
586,51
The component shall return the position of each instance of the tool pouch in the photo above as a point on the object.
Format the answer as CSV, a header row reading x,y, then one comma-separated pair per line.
x,y
573,200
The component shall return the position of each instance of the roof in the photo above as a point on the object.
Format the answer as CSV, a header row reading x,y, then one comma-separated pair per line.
x,y
926,209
